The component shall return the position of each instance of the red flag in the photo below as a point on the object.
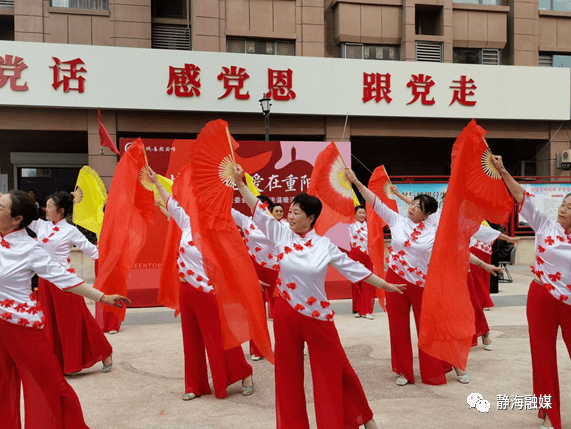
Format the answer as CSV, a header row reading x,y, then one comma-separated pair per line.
x,y
330,185
380,185
129,211
475,192
104,137
205,190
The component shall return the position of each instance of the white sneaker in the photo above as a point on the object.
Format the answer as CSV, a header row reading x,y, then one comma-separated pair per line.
x,y
357,315
401,380
369,316
188,396
113,332
254,357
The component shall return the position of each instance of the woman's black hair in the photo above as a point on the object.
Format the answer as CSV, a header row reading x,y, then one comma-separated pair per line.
x,y
265,199
277,205
23,205
309,204
62,200
568,195
359,207
427,203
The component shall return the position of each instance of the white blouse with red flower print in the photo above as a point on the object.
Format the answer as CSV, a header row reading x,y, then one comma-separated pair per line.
x,y
484,238
359,236
303,266
21,257
259,247
411,244
552,252
57,239
189,261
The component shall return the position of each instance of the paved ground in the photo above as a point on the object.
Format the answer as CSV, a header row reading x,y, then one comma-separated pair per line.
x,y
144,389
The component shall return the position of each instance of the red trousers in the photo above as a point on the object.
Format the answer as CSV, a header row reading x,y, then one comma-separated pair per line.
x,y
482,278
76,339
340,401
480,318
49,401
268,294
545,315
201,330
362,292
432,370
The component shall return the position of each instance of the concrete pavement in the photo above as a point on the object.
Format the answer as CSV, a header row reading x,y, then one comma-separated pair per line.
x,y
145,387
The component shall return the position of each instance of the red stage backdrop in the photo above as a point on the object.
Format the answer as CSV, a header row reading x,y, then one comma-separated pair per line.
x,y
281,170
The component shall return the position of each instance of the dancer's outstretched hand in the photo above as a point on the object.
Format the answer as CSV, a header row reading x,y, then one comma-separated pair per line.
x,y
115,300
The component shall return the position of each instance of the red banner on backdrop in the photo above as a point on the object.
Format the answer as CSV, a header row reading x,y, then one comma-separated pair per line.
x,y
280,170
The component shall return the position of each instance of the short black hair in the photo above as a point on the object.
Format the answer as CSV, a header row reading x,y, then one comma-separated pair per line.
x,y
568,195
265,199
23,205
62,200
277,205
427,203
359,207
309,204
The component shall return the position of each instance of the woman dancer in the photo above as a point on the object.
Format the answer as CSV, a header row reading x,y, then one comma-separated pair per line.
x,y
200,319
363,293
25,355
303,313
77,340
277,211
549,296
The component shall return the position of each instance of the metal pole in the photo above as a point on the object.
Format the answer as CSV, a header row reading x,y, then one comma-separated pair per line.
x,y
267,123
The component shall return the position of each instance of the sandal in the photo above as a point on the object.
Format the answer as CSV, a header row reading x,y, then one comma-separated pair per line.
x,y
107,368
248,390
462,378
489,347
401,380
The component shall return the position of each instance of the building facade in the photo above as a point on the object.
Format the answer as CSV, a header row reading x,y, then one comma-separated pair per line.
x,y
489,33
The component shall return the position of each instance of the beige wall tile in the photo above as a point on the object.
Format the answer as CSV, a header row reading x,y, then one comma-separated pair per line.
x,y
563,33
525,26
103,31
409,15
497,30
391,24
525,10
104,165
312,33
313,49
28,37
79,29
206,26
132,13
206,8
525,58
285,16
133,43
206,43
523,42
237,15
460,29
135,30
348,18
261,16
28,23
28,7
309,15
477,29
315,3
371,20
55,27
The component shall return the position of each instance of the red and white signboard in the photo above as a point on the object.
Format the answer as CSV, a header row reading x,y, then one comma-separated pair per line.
x,y
60,75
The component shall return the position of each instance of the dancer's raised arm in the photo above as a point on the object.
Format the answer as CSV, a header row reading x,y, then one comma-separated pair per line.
x,y
365,192
250,198
515,188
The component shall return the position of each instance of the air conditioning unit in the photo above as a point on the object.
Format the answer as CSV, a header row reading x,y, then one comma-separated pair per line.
x,y
566,160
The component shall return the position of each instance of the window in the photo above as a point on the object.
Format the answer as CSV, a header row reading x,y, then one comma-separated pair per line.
x,y
6,27
81,4
488,2
562,5
554,60
370,52
9,4
476,56
261,47
169,8
428,20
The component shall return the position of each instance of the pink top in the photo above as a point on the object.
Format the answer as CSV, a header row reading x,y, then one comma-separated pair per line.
x,y
259,247
21,257
359,235
189,259
411,244
552,253
57,239
303,266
